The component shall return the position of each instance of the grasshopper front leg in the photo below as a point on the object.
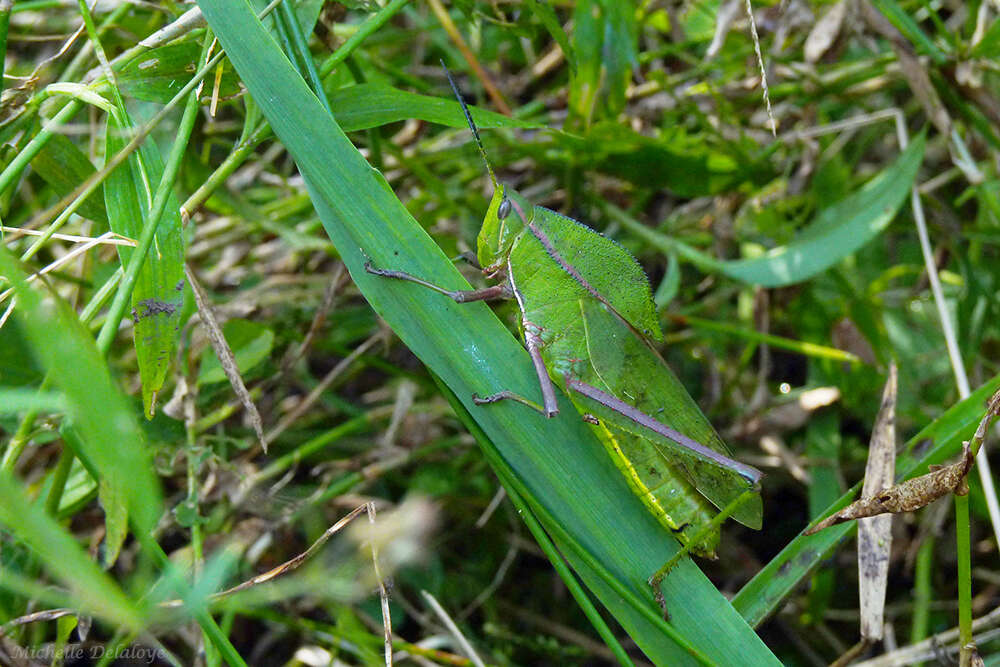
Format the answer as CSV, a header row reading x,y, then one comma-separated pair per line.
x,y
493,292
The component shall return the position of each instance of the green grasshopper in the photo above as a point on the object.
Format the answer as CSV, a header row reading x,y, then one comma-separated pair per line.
x,y
589,324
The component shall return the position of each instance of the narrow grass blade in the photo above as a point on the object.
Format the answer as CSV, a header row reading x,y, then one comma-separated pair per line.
x,y
604,44
107,438
547,16
66,559
368,105
158,293
587,40
903,22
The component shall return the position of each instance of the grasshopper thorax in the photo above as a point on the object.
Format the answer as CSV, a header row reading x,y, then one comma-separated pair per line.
x,y
506,217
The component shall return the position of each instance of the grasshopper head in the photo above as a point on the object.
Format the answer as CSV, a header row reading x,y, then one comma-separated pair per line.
x,y
504,220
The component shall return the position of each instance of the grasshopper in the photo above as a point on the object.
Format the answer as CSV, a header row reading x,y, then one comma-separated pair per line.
x,y
589,324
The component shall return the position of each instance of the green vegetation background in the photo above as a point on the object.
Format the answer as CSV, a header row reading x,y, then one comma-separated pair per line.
x,y
782,264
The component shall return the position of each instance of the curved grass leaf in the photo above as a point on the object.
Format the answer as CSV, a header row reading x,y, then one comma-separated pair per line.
x,y
835,233
559,462
367,105
935,443
158,294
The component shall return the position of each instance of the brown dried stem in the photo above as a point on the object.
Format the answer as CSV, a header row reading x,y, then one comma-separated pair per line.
x,y
919,492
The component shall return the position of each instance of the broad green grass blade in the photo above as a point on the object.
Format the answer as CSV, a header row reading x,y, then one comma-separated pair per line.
x,y
558,461
835,233
762,594
367,105
158,294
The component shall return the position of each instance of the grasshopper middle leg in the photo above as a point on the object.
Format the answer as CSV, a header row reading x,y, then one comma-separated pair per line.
x,y
503,290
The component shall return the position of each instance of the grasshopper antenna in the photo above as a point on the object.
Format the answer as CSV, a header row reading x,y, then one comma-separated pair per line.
x,y
472,125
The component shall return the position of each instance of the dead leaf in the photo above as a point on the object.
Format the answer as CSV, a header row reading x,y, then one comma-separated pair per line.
x,y
875,533
225,355
909,496
920,491
825,32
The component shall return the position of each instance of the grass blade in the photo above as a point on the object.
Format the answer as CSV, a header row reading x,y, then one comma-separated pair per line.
x,y
64,167
64,557
367,105
110,440
157,296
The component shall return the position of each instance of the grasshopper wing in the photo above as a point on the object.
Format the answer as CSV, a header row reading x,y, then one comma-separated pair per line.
x,y
636,392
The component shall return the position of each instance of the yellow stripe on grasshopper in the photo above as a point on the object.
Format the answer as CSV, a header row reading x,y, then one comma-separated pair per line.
x,y
632,475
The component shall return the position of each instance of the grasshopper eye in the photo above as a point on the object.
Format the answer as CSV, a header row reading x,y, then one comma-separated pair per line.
x,y
504,209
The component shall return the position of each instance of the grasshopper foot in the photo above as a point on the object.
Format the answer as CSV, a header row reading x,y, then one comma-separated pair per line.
x,y
386,273
511,396
661,601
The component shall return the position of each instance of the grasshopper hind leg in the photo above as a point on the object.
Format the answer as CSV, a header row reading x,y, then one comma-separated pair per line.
x,y
656,580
